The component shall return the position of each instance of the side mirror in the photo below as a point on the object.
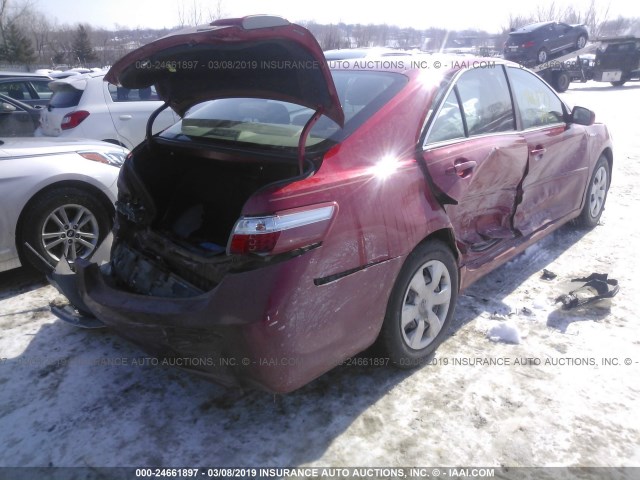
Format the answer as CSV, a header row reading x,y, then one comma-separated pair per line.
x,y
582,116
7,108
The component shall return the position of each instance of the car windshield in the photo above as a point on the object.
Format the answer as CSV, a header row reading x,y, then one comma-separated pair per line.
x,y
278,124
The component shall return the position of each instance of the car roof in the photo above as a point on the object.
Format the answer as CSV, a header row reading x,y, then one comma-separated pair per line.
x,y
531,27
24,79
22,75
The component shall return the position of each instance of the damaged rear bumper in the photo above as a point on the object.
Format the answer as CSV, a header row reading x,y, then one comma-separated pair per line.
x,y
273,327
184,330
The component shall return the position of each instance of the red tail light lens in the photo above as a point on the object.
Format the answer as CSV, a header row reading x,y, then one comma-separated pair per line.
x,y
528,44
73,119
282,232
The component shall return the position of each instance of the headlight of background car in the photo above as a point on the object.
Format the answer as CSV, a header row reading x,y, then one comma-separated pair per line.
x,y
113,157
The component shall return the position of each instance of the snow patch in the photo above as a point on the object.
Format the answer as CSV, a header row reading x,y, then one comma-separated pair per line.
x,y
506,332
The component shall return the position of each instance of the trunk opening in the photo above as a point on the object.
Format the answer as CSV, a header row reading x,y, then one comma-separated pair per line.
x,y
197,200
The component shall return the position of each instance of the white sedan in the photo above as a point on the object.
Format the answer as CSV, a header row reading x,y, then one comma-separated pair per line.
x,y
56,199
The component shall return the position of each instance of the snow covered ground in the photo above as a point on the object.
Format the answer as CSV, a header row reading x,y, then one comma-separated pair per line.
x,y
518,383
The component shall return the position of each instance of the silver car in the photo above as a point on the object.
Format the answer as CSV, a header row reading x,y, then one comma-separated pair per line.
x,y
56,199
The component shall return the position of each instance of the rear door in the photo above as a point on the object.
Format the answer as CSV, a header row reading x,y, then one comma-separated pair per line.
x,y
557,167
476,159
131,108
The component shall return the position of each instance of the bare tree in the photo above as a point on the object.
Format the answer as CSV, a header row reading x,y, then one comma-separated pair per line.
x,y
39,26
11,12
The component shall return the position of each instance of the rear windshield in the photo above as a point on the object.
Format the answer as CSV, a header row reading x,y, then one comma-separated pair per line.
x,y
65,98
278,124
619,47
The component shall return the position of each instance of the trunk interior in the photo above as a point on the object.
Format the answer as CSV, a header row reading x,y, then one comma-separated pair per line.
x,y
198,200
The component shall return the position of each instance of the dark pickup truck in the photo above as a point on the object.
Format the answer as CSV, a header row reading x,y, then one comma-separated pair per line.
x,y
617,60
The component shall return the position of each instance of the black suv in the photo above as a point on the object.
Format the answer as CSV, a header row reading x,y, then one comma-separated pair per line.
x,y
536,43
617,60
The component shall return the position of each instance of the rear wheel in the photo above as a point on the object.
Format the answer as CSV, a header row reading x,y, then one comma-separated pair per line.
x,y
542,55
421,305
596,194
582,41
562,82
65,222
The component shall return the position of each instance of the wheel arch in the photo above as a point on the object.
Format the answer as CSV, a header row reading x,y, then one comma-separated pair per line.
x,y
446,236
98,194
608,153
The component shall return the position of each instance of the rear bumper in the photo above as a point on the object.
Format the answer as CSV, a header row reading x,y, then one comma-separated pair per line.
x,y
270,328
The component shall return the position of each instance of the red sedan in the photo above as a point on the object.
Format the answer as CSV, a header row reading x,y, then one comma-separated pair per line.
x,y
302,211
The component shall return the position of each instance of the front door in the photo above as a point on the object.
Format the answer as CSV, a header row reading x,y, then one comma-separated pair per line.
x,y
557,166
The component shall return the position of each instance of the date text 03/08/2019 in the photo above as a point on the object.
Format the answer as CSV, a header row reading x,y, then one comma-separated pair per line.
x,y
316,472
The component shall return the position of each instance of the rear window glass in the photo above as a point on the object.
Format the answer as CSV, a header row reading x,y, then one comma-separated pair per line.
x,y
65,98
121,94
279,124
620,48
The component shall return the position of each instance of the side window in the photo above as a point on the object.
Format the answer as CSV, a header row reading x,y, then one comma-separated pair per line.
x,y
448,124
121,94
537,103
42,89
486,102
15,90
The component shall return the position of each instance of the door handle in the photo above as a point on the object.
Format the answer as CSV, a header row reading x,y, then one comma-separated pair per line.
x,y
125,117
538,152
462,168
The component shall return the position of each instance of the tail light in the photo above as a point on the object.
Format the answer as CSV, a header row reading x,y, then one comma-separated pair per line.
x,y
283,232
528,44
73,119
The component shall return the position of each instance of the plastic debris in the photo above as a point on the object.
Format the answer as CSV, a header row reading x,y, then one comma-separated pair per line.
x,y
597,286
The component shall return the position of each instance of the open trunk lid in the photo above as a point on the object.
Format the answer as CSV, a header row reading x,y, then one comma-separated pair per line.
x,y
258,56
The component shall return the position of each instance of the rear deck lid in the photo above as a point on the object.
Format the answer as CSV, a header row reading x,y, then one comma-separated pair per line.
x,y
258,56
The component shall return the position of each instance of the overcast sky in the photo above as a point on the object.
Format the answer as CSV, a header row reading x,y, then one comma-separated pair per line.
x,y
490,15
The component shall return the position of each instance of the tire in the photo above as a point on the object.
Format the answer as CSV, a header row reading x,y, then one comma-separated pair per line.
x,y
581,42
596,194
562,82
44,222
619,83
420,309
542,56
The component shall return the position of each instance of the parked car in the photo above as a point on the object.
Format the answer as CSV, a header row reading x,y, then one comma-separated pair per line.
x,y
536,43
57,196
30,89
17,119
617,60
297,214
85,106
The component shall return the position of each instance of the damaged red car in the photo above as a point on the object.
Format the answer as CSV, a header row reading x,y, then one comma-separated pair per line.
x,y
301,212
